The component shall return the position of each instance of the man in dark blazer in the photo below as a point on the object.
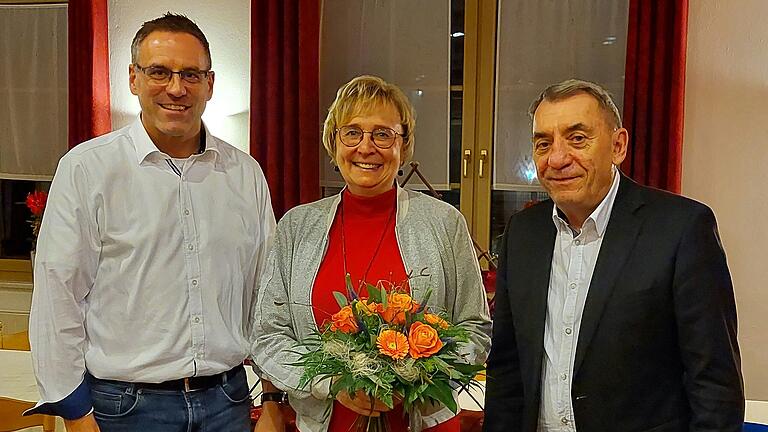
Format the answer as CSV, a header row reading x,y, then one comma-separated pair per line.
x,y
614,305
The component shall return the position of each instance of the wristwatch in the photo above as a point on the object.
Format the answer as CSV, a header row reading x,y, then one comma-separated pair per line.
x,y
279,397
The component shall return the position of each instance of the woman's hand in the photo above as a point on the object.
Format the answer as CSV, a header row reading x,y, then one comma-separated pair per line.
x,y
362,404
271,419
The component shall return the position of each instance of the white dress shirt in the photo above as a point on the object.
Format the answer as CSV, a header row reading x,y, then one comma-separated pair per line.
x,y
573,262
146,270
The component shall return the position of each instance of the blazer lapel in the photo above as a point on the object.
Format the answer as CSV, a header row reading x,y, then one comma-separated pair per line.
x,y
535,264
620,236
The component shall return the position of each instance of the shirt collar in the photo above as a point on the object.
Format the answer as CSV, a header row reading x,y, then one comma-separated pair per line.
x,y
144,145
600,216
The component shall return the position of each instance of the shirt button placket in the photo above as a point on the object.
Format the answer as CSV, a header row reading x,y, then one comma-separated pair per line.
x,y
193,274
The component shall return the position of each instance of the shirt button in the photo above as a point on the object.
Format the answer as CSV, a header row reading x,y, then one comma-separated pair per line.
x,y
564,376
197,319
568,330
186,212
194,282
564,420
191,247
578,242
573,286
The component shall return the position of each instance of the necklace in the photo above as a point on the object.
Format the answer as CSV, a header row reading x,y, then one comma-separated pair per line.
x,y
378,245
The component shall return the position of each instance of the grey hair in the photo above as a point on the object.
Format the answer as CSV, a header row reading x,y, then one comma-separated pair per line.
x,y
572,87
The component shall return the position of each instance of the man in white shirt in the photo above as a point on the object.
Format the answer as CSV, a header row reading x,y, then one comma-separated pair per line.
x,y
148,259
614,303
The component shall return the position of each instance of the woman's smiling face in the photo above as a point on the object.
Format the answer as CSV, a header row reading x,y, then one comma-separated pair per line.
x,y
369,170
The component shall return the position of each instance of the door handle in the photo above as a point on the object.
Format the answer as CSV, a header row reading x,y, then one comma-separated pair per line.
x,y
483,157
465,162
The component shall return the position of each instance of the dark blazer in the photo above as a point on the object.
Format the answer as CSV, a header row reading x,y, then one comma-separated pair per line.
x,y
657,349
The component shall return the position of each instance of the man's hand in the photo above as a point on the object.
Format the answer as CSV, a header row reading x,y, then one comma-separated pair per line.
x,y
83,424
362,404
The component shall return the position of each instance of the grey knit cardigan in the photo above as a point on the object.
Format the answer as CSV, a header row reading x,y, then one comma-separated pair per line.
x,y
433,240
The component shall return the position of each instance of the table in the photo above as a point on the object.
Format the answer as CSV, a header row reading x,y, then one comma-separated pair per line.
x,y
17,380
473,397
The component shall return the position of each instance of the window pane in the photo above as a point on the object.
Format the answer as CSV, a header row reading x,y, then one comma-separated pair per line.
x,y
505,204
541,43
15,227
406,43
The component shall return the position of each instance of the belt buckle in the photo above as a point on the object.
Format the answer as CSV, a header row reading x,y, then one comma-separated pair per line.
x,y
186,385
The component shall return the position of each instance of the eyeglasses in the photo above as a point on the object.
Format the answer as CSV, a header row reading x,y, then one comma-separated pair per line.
x,y
382,137
162,75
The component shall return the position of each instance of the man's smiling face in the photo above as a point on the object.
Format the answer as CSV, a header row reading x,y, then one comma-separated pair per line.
x,y
575,146
171,112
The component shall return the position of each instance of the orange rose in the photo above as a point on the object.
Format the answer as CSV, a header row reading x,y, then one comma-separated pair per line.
x,y
423,340
397,305
344,320
393,344
367,307
435,320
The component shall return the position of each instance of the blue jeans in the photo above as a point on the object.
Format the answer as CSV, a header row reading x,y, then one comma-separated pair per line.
x,y
126,407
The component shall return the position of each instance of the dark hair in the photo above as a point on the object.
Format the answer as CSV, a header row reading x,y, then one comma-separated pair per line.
x,y
170,22
572,87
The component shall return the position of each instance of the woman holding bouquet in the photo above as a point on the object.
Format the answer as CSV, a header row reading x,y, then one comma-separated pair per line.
x,y
373,231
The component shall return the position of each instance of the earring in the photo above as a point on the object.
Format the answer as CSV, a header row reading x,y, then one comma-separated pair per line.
x,y
336,168
400,172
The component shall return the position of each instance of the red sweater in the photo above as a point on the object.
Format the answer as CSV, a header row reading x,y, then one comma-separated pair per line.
x,y
366,220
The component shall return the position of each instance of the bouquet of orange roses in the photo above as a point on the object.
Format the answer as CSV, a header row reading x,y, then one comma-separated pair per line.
x,y
391,348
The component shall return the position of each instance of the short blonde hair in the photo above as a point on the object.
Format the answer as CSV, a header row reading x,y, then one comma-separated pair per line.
x,y
360,95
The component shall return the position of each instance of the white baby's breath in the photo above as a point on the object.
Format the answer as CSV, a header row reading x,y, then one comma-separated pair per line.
x,y
337,349
406,369
363,365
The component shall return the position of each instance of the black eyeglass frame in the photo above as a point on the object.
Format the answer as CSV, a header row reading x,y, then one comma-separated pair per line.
x,y
203,74
373,139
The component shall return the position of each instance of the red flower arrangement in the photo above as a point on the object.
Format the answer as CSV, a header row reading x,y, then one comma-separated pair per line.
x,y
36,204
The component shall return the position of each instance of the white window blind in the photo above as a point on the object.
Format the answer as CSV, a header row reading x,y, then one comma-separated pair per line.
x,y
33,90
406,43
541,43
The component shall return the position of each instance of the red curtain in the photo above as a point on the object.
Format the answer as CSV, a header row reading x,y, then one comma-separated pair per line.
x,y
89,113
654,91
285,123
